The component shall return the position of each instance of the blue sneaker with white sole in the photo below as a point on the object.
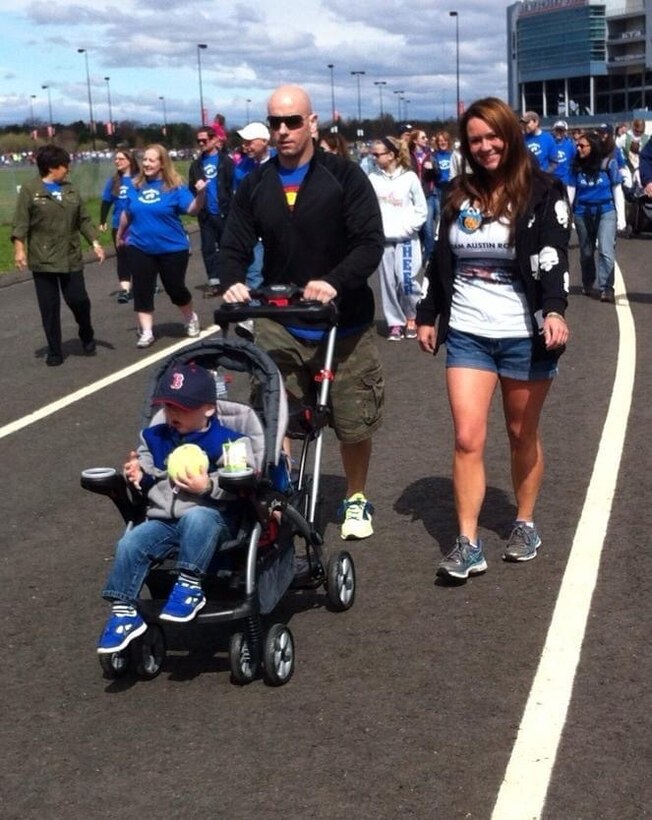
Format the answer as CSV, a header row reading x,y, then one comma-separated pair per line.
x,y
184,603
120,630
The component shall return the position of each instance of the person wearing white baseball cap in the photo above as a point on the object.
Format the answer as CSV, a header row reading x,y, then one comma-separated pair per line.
x,y
566,150
254,131
256,150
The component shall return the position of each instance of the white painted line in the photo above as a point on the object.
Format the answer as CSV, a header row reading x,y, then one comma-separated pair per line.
x,y
523,791
78,395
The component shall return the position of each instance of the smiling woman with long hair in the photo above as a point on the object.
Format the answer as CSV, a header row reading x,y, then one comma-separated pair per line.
x,y
156,240
498,285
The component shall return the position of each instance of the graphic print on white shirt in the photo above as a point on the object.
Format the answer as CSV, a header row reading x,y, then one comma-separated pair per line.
x,y
488,295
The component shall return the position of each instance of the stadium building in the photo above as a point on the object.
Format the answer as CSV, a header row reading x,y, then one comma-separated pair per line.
x,y
580,58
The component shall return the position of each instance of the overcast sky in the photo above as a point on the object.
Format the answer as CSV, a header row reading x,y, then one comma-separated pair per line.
x,y
149,50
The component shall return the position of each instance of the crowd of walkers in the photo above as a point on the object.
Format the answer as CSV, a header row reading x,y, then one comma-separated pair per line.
x,y
468,238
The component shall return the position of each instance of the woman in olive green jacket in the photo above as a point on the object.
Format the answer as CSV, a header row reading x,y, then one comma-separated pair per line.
x,y
49,218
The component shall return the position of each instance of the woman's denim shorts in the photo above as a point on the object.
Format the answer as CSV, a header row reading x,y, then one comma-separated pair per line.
x,y
511,358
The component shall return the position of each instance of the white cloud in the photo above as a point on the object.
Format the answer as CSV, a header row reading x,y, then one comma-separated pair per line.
x,y
150,47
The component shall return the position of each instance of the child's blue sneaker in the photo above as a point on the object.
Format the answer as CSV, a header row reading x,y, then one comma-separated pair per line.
x,y
184,603
119,632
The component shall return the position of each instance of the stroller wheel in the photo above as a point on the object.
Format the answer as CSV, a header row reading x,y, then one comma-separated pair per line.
x,y
243,666
148,652
115,665
278,658
340,585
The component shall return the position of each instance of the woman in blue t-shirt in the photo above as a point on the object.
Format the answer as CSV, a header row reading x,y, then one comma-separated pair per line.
x,y
157,243
595,191
443,154
115,196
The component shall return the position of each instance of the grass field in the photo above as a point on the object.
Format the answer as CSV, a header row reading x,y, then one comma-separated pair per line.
x,y
88,177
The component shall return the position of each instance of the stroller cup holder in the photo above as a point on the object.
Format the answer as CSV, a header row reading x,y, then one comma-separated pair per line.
x,y
108,481
237,482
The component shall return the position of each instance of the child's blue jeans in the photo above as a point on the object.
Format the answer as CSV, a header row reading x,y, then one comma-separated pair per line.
x,y
193,538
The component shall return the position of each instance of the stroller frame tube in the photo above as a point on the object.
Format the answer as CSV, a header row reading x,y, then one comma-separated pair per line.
x,y
322,404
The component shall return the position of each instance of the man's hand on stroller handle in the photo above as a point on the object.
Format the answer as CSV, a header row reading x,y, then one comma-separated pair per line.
x,y
319,291
237,293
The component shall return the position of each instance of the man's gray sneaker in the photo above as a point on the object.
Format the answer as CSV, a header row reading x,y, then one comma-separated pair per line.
x,y
522,544
464,559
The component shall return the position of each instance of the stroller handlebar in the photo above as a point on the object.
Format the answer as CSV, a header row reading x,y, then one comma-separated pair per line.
x,y
284,302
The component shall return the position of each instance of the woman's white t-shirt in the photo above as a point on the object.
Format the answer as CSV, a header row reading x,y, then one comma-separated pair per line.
x,y
488,295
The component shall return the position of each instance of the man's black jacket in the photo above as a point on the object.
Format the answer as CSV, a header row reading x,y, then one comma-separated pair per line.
x,y
334,233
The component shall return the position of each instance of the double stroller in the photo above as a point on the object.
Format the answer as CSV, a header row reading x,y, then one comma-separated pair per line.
x,y
279,546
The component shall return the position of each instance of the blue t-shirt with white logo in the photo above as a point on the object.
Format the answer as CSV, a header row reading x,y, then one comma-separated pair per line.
x,y
566,151
154,214
210,165
119,199
444,161
593,194
54,189
543,147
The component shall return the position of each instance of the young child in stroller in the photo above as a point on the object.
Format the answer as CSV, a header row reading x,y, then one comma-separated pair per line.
x,y
187,517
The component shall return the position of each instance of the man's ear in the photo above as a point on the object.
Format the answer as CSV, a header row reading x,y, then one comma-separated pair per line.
x,y
210,411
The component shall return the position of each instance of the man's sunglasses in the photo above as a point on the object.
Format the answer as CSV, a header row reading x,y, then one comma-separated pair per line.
x,y
202,142
292,122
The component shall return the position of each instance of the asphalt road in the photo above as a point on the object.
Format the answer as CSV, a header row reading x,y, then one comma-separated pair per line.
x,y
408,705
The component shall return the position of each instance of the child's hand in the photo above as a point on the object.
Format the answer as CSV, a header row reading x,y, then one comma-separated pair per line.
x,y
197,483
132,470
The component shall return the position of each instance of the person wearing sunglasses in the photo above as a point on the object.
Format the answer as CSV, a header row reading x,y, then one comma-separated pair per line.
x,y
216,168
256,151
596,194
320,225
566,150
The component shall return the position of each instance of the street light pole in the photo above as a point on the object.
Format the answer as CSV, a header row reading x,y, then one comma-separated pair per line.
x,y
109,130
330,67
51,125
32,97
380,84
200,47
248,104
165,117
90,99
405,109
357,75
457,59
399,103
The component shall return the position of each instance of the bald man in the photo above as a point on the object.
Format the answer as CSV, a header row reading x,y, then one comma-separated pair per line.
x,y
320,225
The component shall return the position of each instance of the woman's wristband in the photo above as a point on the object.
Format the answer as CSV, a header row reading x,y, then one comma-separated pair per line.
x,y
554,315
